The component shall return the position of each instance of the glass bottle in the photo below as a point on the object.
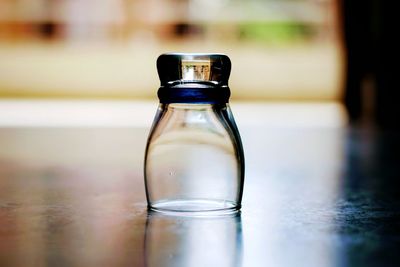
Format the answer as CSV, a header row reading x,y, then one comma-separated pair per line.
x,y
194,158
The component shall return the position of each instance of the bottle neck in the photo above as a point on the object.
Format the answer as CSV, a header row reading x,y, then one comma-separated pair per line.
x,y
193,106
194,93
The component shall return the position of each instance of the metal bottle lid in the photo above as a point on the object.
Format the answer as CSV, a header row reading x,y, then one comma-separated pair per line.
x,y
175,69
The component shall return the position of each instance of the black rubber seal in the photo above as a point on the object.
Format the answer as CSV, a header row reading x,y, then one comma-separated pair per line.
x,y
194,93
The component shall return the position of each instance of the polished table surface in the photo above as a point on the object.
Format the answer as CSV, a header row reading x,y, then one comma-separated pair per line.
x,y
322,194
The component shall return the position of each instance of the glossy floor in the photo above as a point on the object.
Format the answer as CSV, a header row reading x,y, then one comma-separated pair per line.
x,y
317,193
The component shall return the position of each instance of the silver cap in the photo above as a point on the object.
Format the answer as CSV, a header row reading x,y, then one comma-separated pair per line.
x,y
180,68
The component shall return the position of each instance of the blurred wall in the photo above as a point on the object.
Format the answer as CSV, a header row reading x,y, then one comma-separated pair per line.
x,y
281,50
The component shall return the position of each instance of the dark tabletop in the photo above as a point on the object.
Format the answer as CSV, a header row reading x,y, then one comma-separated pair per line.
x,y
314,196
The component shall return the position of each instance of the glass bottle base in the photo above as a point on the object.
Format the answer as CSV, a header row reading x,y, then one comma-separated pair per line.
x,y
199,207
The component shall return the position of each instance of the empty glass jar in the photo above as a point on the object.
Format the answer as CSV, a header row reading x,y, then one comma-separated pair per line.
x,y
194,157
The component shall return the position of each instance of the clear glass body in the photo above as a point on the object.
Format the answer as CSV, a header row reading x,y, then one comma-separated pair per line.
x,y
194,159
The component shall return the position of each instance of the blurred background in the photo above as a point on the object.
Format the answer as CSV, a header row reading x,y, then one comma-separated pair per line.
x,y
280,49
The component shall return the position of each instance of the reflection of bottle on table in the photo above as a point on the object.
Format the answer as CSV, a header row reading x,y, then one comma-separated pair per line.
x,y
193,241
